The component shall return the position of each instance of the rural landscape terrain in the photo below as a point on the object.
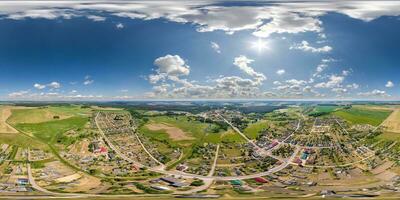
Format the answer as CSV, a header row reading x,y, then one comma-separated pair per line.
x,y
200,149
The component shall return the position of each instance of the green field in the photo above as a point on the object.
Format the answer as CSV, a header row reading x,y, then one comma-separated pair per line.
x,y
44,114
254,129
389,136
363,116
324,110
20,139
47,131
198,130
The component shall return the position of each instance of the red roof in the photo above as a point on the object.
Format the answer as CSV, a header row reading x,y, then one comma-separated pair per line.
x,y
103,150
260,180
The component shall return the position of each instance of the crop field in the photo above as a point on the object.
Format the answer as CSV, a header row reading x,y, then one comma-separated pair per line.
x,y
363,116
45,114
5,113
194,131
47,131
392,123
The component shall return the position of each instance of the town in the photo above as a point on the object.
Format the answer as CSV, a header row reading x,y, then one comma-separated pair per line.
x,y
110,151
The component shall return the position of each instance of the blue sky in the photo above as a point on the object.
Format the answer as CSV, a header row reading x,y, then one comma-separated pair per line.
x,y
213,50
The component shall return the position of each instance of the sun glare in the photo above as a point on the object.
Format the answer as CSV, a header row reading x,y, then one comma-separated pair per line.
x,y
260,45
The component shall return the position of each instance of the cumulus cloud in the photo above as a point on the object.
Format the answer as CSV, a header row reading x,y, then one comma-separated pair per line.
x,y
54,85
280,71
119,26
242,62
18,94
168,81
171,65
334,81
39,86
374,93
289,23
216,47
305,46
353,86
389,84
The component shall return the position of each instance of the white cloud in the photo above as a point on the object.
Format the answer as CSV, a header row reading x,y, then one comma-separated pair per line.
x,y
39,86
88,82
389,84
280,72
119,26
18,94
374,93
289,23
334,81
305,46
353,86
172,65
96,18
345,72
243,63
277,17
216,47
54,85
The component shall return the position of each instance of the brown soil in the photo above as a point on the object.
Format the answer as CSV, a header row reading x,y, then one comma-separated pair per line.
x,y
173,132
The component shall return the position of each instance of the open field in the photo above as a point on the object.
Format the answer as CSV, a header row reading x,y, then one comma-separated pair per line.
x,y
5,113
45,114
174,133
363,116
47,131
253,130
392,123
323,110
19,139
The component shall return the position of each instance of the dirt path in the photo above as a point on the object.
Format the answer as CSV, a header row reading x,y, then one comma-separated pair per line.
x,y
5,113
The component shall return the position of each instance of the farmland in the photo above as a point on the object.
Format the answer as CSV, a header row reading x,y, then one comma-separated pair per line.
x,y
373,117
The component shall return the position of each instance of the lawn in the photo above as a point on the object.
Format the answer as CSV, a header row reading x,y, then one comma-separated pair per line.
x,y
363,116
47,131
254,129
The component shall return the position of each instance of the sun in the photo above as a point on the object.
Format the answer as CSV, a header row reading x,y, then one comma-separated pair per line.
x,y
260,45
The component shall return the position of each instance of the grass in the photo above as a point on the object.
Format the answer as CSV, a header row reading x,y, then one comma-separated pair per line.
x,y
253,130
363,116
323,110
47,131
19,139
44,114
389,136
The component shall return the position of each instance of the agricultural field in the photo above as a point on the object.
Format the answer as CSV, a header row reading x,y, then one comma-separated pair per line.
x,y
324,110
362,115
392,123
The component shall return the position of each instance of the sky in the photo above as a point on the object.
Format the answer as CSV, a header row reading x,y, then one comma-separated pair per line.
x,y
129,50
